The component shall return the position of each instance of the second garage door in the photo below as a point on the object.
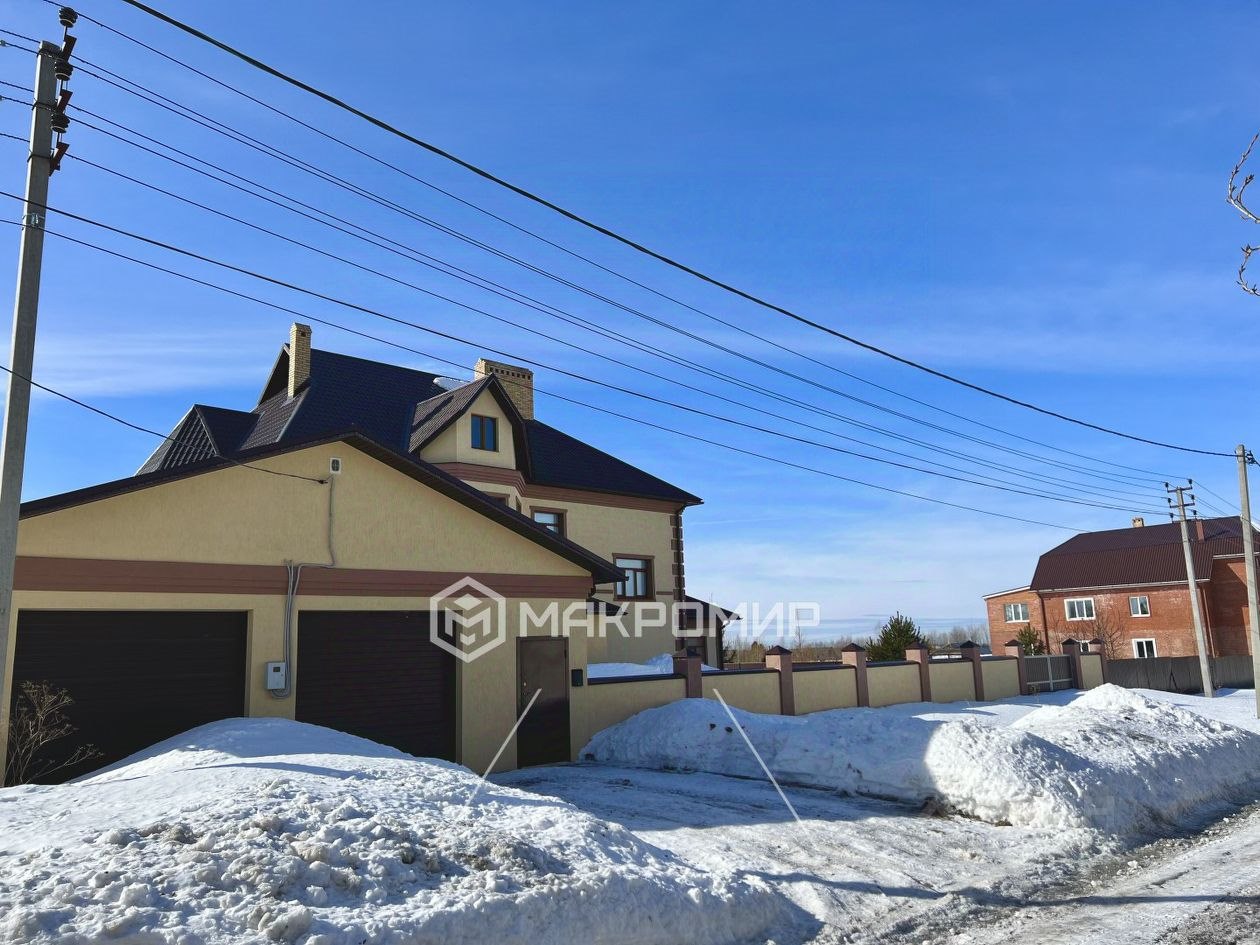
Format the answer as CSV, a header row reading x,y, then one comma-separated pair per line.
x,y
136,677
377,674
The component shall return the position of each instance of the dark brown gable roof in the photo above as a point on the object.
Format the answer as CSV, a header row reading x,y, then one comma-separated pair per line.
x,y
400,408
1132,556
601,570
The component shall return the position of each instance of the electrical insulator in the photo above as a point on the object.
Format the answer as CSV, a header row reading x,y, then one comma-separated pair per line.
x,y
60,122
62,70
67,17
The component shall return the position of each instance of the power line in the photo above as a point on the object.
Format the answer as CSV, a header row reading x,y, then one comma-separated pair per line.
x,y
1054,481
281,283
204,121
377,159
550,310
101,412
645,250
778,461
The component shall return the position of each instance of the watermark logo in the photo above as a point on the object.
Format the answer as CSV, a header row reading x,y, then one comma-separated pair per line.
x,y
475,619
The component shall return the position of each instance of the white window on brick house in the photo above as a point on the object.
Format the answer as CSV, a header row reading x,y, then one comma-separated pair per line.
x,y
1144,648
1140,606
1079,608
1015,613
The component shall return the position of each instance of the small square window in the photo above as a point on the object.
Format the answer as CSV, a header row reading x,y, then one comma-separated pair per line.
x,y
1140,606
485,433
638,581
1015,613
552,521
1144,649
1079,608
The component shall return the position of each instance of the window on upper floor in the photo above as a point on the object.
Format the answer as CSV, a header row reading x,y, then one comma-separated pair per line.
x,y
1144,649
1016,613
551,520
1079,608
485,433
1140,606
638,582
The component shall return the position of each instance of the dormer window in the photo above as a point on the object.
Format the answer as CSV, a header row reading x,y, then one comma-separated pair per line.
x,y
485,433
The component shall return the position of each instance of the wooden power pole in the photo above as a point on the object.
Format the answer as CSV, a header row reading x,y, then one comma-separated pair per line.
x,y
47,118
1249,553
1196,611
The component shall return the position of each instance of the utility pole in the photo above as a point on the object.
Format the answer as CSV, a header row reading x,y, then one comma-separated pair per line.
x,y
1205,663
47,118
1249,553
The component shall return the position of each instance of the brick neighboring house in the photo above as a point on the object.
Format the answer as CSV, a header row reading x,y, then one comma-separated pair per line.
x,y
1128,587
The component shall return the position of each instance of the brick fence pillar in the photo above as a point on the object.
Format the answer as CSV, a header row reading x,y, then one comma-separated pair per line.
x,y
923,656
972,652
1015,648
780,660
855,655
687,664
1072,648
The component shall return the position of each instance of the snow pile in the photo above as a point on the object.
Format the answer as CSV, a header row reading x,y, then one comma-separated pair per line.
x,y
662,664
265,830
1110,760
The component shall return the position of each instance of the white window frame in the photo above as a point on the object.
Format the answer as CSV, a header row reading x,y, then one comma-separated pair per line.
x,y
1146,599
1067,608
1137,653
1023,619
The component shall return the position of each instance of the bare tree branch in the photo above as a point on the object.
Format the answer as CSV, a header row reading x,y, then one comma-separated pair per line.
x,y
1236,192
1251,288
39,720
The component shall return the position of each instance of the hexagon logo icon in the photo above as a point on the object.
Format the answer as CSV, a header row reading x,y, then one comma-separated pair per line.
x,y
475,619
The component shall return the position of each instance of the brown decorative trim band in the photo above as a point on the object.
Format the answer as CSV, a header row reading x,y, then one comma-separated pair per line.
x,y
470,472
190,577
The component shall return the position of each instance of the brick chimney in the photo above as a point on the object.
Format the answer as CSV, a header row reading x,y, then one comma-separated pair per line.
x,y
517,381
1138,521
1198,528
299,357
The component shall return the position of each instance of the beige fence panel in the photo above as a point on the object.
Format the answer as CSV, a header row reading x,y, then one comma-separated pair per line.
x,y
820,689
596,706
753,692
1091,670
952,681
892,683
1001,678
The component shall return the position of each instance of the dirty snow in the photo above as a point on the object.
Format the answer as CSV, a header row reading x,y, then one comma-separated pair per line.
x,y
269,830
662,664
1110,760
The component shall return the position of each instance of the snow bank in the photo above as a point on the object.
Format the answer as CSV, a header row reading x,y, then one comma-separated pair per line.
x,y
1109,760
662,664
264,830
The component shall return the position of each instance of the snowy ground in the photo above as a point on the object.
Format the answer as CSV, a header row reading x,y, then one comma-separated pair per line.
x,y
264,830
659,665
874,871
268,830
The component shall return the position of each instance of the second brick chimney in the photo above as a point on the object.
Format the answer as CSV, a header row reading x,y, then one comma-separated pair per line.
x,y
517,381
299,357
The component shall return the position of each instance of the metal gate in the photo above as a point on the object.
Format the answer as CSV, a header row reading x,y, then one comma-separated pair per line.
x,y
1049,673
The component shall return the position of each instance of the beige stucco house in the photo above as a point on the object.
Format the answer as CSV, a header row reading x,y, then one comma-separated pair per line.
x,y
282,561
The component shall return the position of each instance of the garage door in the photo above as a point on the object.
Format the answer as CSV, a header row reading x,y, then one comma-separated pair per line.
x,y
136,677
377,674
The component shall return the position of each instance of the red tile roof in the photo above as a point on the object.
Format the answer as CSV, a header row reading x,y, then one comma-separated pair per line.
x,y
1130,556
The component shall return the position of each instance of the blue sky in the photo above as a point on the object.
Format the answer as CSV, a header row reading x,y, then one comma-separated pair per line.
x,y
1030,196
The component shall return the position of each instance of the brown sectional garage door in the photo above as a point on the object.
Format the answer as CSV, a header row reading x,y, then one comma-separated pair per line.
x,y
136,677
376,674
